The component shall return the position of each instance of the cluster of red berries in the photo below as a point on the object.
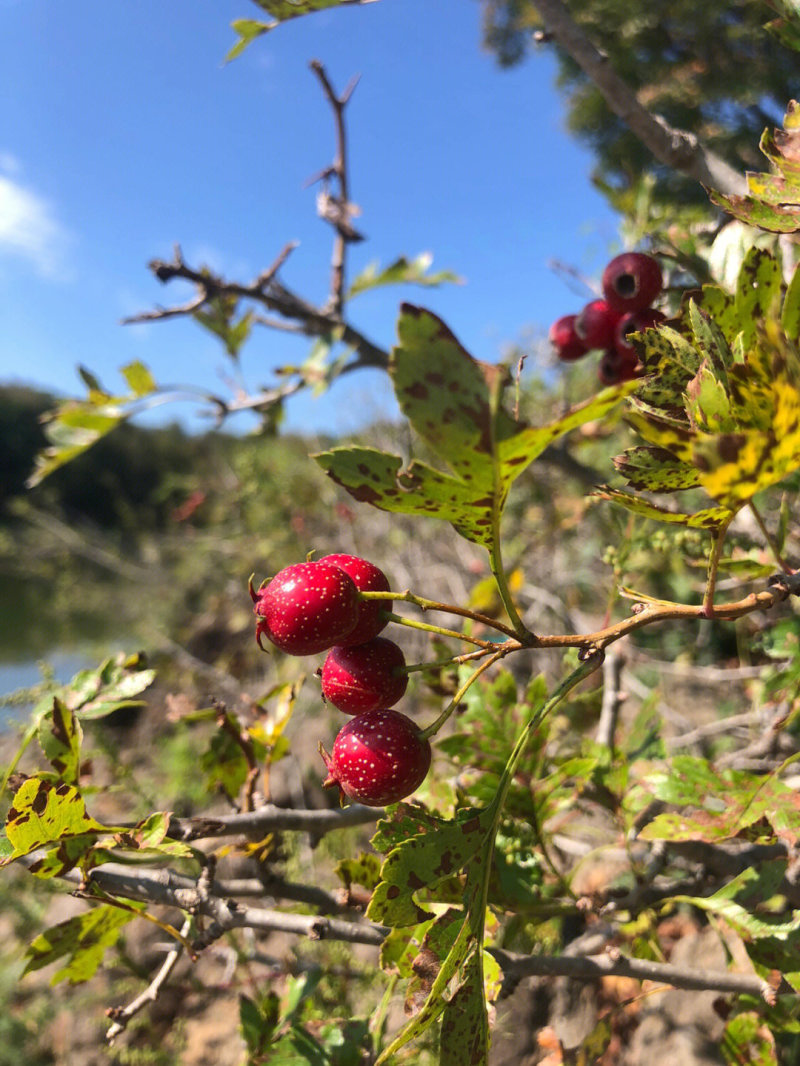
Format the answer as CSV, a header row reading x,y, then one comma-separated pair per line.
x,y
380,756
631,282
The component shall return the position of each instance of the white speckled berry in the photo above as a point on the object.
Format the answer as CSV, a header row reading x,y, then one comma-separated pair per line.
x,y
378,758
368,578
362,677
306,608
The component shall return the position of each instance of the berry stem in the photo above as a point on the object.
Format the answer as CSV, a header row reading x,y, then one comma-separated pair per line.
x,y
434,727
435,605
489,645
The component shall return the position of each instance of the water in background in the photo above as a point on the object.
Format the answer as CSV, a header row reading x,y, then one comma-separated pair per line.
x,y
25,674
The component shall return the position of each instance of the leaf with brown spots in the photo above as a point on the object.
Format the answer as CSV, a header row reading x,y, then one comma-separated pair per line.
x,y
43,812
726,418
772,202
454,403
655,470
60,737
464,1038
424,860
83,940
710,518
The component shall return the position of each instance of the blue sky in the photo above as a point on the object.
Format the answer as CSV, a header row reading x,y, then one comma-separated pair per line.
x,y
124,133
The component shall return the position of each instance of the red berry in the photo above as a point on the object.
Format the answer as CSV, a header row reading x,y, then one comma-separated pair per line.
x,y
616,366
565,340
632,281
362,677
596,323
306,608
367,578
635,322
378,758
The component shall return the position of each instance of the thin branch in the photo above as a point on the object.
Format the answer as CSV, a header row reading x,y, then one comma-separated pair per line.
x,y
269,292
337,209
673,147
611,964
270,818
167,889
120,1016
613,698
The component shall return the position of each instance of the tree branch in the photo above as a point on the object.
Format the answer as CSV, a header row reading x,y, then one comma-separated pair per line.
x,y
612,964
673,147
270,818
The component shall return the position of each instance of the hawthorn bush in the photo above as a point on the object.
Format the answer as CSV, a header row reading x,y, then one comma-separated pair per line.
x,y
475,876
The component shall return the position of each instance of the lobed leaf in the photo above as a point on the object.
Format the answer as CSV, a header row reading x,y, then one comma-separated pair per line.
x,y
424,860
454,403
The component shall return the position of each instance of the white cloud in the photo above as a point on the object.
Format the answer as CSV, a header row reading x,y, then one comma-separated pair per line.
x,y
29,228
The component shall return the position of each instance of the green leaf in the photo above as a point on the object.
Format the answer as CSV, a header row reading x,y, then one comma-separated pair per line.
x,y
747,1038
716,805
709,518
422,861
280,10
465,1028
72,428
247,31
655,470
43,812
790,314
140,381
402,271
364,870
454,403
97,693
60,737
258,1022
83,939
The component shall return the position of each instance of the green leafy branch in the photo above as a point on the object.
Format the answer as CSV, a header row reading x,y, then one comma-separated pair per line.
x,y
422,853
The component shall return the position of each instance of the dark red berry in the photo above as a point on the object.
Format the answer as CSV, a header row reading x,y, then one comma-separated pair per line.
x,y
596,323
367,578
362,677
616,366
632,281
306,608
635,322
565,340
378,758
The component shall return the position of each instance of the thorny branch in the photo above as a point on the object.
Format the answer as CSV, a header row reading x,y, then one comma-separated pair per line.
x,y
294,313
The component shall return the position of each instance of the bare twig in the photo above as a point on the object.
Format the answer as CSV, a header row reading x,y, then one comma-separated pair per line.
x,y
613,698
270,818
165,888
612,964
673,147
337,209
270,293
120,1016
